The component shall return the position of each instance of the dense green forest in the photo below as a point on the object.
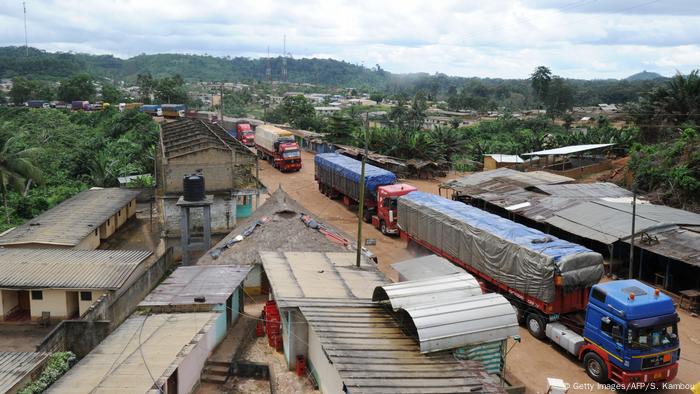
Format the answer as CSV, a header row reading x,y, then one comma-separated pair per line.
x,y
465,92
49,155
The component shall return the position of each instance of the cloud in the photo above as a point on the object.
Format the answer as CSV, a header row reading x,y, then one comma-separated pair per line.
x,y
501,38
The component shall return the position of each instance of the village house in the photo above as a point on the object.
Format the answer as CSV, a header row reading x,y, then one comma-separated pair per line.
x,y
81,222
191,146
58,284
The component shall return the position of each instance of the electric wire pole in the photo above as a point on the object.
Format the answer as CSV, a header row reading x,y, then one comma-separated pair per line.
x,y
360,212
634,215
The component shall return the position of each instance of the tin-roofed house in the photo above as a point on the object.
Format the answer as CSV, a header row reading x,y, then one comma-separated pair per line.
x,y
58,284
80,222
191,146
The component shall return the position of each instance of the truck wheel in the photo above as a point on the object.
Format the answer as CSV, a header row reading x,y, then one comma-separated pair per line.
x,y
595,367
382,227
536,325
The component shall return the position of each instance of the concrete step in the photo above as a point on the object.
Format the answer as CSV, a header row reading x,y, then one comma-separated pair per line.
x,y
219,371
218,363
216,379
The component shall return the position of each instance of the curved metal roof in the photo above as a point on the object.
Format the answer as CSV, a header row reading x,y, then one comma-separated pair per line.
x,y
428,291
449,312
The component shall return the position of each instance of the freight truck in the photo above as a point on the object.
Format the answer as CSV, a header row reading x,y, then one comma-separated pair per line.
x,y
80,105
174,111
278,147
38,104
339,176
243,132
152,109
623,331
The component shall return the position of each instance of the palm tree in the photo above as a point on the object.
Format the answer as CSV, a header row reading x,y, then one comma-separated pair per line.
x,y
17,169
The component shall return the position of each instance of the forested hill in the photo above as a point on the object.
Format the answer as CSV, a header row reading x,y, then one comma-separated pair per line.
x,y
509,92
46,65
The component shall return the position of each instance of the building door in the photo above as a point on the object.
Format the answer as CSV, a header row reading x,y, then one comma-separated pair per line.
x,y
72,305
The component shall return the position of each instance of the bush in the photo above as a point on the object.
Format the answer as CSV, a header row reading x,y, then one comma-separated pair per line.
x,y
57,365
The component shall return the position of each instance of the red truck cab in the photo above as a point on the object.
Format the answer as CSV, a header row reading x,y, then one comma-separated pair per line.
x,y
385,217
245,134
289,158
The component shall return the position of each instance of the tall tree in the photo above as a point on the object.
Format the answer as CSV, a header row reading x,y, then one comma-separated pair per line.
x,y
111,93
539,80
21,90
79,87
559,98
146,85
17,168
171,90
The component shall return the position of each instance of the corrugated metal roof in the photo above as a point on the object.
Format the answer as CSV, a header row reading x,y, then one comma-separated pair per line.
x,y
506,176
215,283
425,267
461,322
434,290
680,243
116,365
14,366
585,190
67,268
450,311
501,158
566,150
187,136
295,275
71,221
372,355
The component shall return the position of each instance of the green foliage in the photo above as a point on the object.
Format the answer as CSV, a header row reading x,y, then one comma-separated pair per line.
x,y
142,182
57,365
111,94
171,89
24,89
298,111
238,104
73,151
79,87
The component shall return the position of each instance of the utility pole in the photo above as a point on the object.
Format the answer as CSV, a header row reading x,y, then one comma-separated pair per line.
x,y
268,70
221,105
26,41
360,212
634,215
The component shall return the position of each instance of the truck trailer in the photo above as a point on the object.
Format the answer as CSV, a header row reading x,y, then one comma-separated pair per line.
x,y
174,111
243,132
38,104
80,105
623,331
339,176
152,109
278,147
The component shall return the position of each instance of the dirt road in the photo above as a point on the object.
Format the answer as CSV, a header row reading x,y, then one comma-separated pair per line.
x,y
532,361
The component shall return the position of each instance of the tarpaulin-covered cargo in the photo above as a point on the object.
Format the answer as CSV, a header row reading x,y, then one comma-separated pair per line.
x,y
343,174
267,135
522,258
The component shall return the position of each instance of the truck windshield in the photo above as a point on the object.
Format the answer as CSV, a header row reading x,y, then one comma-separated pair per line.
x,y
289,154
247,133
642,338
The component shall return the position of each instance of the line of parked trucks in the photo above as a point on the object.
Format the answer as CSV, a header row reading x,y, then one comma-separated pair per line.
x,y
623,331
166,110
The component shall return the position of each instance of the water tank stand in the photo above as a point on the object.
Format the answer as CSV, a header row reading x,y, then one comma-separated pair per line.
x,y
186,241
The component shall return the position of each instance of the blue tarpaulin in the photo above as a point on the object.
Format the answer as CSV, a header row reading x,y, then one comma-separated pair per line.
x,y
516,255
350,169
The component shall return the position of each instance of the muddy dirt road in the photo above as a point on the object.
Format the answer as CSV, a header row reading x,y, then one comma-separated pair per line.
x,y
530,361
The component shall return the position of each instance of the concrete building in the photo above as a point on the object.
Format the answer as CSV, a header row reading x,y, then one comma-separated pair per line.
x,y
148,353
61,284
326,111
192,145
18,368
81,222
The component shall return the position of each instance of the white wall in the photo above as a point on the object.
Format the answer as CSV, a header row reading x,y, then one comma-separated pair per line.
x,y
329,381
84,305
196,353
8,300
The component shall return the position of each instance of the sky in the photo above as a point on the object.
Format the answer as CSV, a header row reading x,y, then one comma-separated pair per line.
x,y
495,38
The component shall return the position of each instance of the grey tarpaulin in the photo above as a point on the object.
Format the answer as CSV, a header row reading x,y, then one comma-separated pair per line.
x,y
515,255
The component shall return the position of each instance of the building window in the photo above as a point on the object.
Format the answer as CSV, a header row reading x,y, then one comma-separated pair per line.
x,y
85,296
37,295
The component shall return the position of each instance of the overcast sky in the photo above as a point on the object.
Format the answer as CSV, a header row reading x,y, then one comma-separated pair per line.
x,y
496,38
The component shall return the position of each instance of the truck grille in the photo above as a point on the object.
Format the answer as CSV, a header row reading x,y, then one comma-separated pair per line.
x,y
656,361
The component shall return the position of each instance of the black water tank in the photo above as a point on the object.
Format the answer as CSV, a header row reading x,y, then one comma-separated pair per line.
x,y
193,186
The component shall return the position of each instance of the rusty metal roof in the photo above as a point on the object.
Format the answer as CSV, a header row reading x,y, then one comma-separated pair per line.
x,y
187,136
215,283
68,223
503,177
372,355
296,277
15,366
67,268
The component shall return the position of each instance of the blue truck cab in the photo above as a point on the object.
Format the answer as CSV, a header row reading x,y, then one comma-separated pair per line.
x,y
631,334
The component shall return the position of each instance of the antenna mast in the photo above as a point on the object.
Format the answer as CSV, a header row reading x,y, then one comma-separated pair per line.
x,y
26,42
268,70
284,59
